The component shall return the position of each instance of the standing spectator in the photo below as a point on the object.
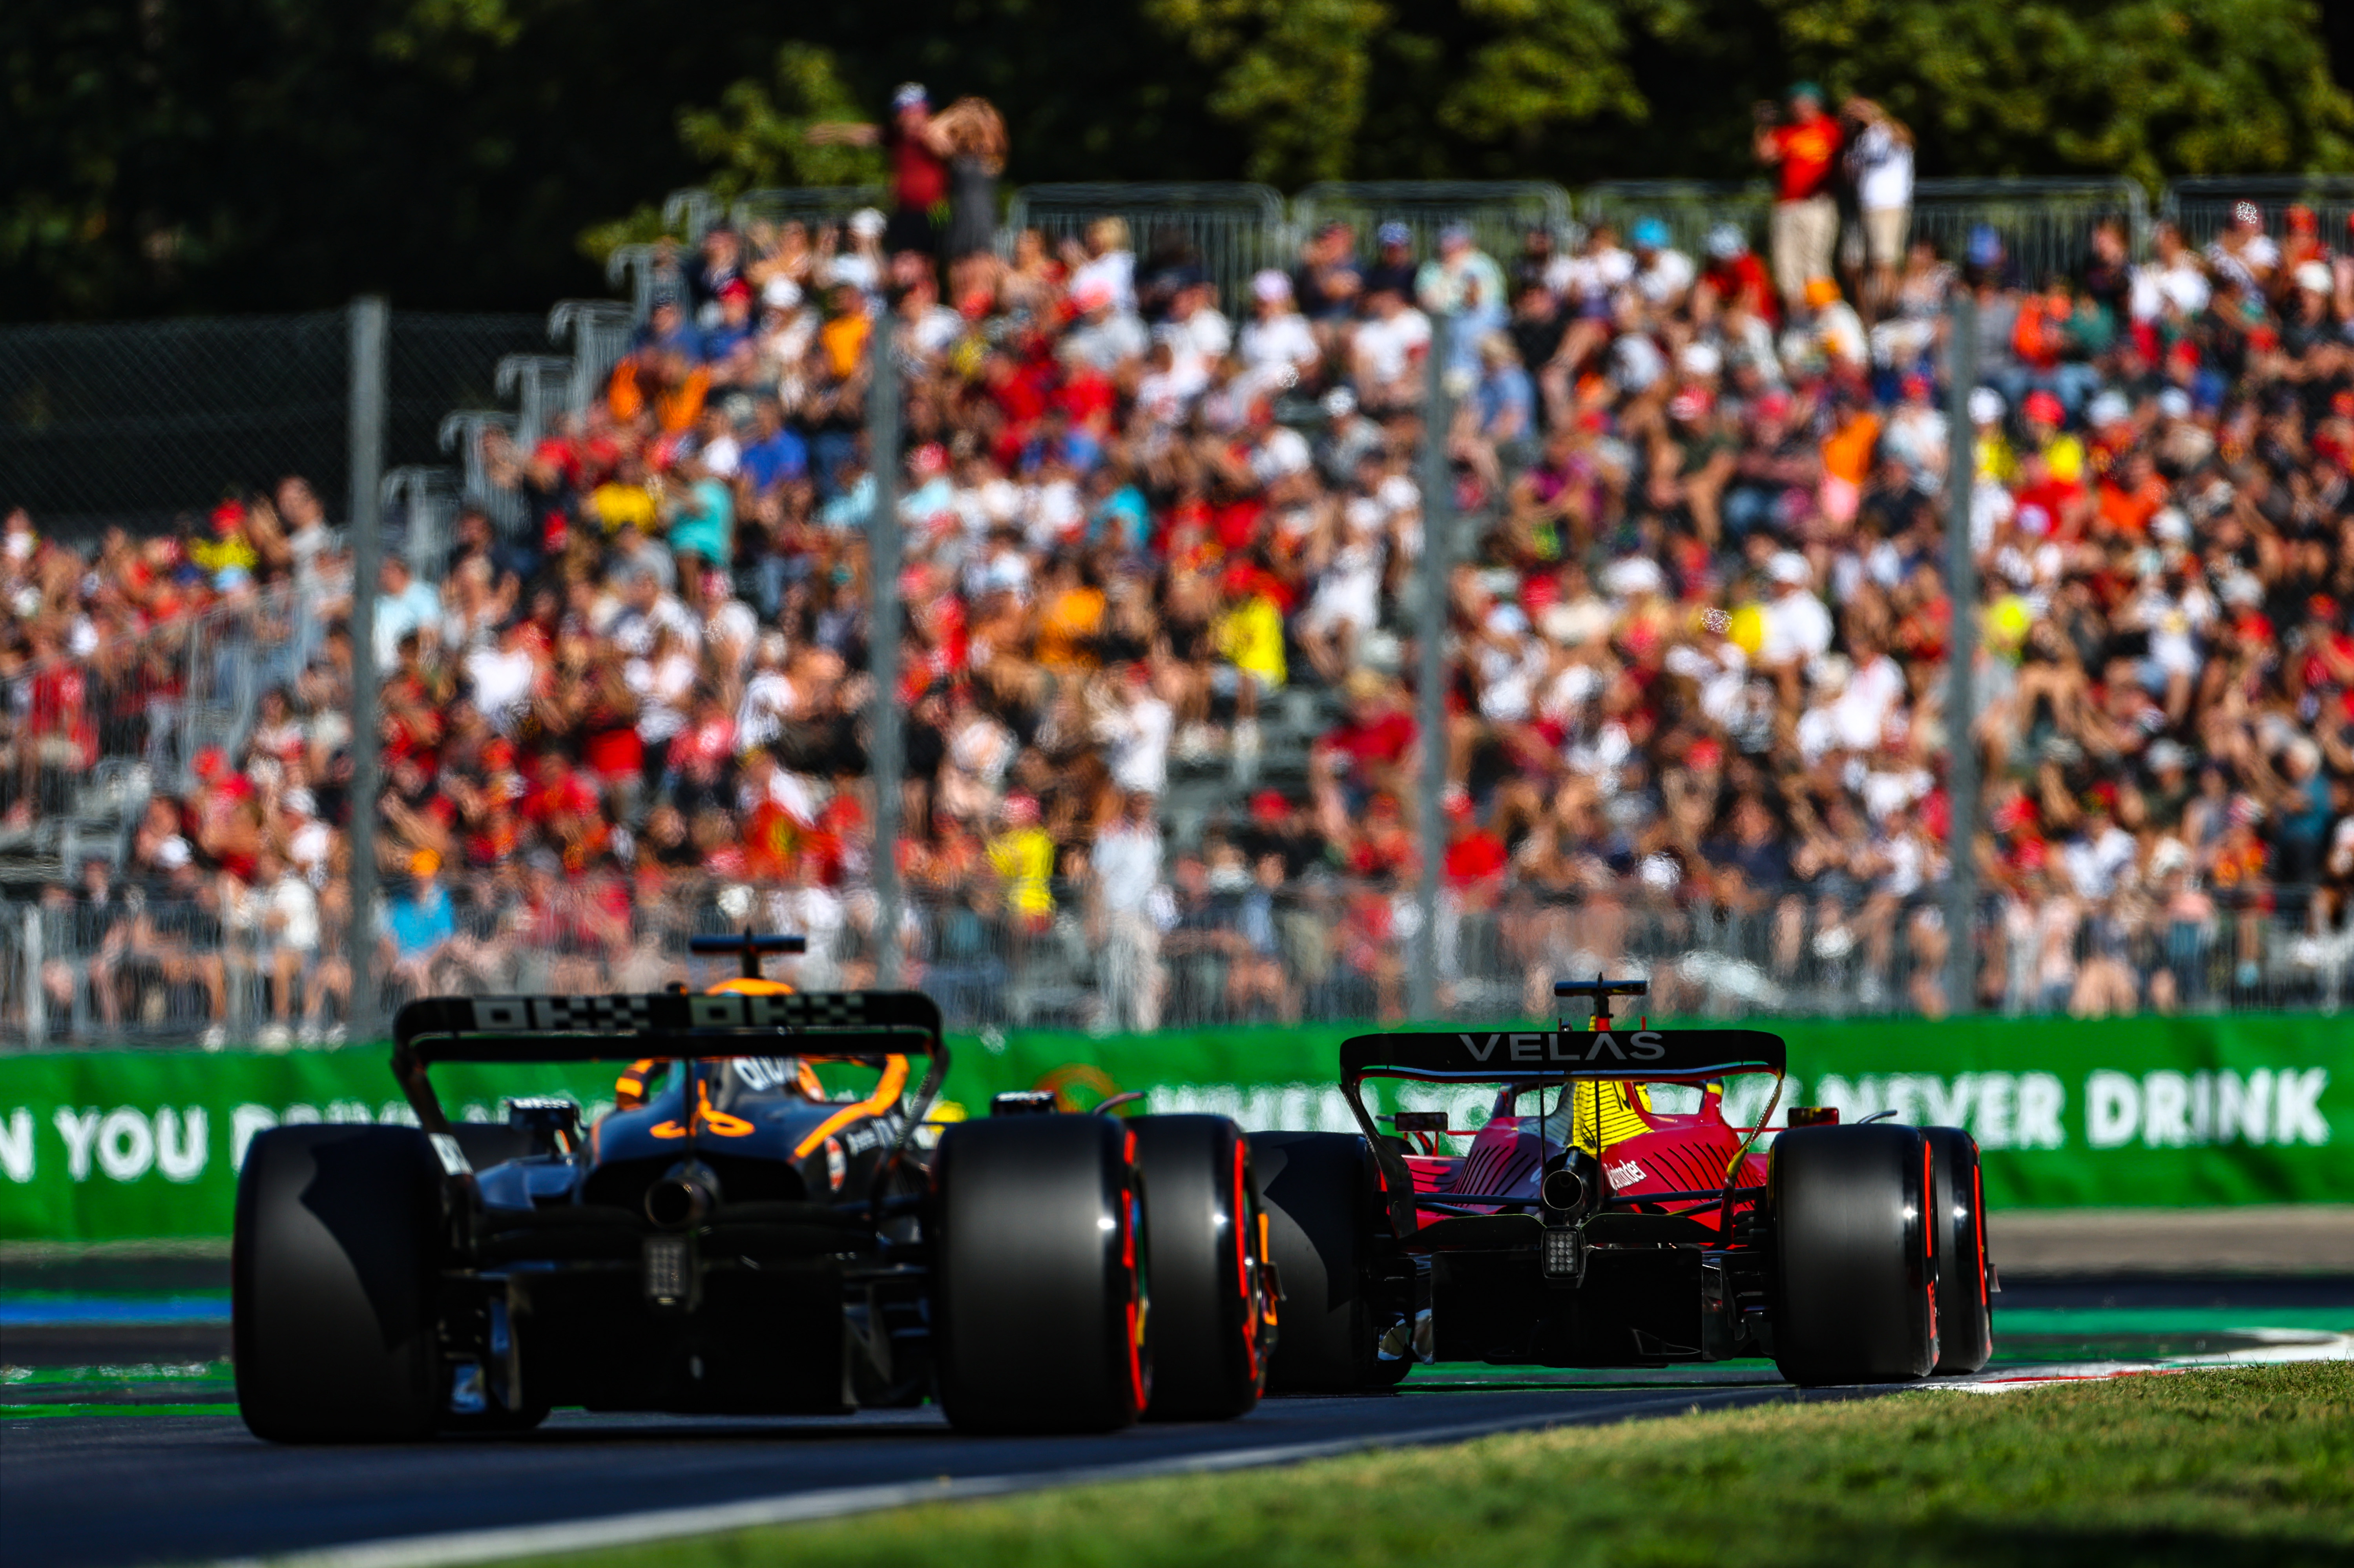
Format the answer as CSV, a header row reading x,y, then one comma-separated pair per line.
x,y
1804,154
1880,162
977,148
288,919
1126,864
919,150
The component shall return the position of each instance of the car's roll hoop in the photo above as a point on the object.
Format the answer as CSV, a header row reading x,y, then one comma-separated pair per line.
x,y
751,944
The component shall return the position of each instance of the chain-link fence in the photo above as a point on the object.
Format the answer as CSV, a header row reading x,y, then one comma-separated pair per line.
x,y
243,963
141,423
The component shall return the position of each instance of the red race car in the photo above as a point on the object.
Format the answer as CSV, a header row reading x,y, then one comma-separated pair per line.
x,y
1606,1215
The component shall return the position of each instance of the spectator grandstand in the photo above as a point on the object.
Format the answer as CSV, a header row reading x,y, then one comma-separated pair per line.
x,y
1156,652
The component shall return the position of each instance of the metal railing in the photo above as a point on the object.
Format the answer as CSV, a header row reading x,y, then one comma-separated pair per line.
x,y
2045,225
1229,230
176,970
776,207
1688,208
1498,213
600,332
2202,208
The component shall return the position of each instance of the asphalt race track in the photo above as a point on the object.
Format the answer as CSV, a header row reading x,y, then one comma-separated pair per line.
x,y
107,1463
105,1491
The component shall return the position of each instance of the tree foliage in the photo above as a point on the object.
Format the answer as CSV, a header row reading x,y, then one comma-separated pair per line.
x,y
246,154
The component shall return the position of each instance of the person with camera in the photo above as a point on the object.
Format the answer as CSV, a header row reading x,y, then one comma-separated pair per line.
x,y
1803,150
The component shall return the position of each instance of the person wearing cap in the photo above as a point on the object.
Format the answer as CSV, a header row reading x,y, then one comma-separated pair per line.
x,y
918,148
418,925
1663,274
1797,628
1803,152
1738,277
1464,283
2244,255
1392,265
1277,345
1329,279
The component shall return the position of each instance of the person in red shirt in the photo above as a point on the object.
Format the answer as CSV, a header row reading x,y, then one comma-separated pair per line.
x,y
1803,151
918,146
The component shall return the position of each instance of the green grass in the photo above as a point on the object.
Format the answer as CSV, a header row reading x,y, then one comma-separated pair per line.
x,y
2234,1466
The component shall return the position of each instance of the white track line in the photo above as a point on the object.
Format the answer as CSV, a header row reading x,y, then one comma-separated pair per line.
x,y
2285,1345
664,1524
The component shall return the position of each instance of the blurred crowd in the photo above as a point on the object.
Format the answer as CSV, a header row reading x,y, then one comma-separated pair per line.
x,y
1155,535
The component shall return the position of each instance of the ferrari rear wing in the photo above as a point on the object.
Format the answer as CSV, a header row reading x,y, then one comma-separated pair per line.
x,y
1538,1058
1533,1056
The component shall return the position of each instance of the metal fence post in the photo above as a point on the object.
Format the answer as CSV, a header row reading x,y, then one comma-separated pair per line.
x,y
367,413
1961,684
1431,698
882,635
36,1003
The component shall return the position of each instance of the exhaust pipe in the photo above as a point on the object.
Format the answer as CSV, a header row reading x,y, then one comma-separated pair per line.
x,y
684,1198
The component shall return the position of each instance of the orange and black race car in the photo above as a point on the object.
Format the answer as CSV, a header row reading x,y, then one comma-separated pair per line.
x,y
731,1238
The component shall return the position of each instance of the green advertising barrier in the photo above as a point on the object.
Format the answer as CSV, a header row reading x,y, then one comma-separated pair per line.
x,y
100,1146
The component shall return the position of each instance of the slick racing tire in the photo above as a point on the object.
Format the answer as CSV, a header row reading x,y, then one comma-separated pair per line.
x,y
1964,1316
1322,1206
331,1285
1209,1333
1855,1298
1039,1302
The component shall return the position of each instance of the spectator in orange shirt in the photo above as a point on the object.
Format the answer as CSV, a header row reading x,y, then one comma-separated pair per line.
x,y
1847,457
1803,152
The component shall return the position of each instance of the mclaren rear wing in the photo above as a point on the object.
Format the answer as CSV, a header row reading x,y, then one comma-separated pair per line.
x,y
853,1025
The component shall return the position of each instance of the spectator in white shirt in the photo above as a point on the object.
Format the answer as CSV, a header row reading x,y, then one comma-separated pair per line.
x,y
1137,728
1389,349
1277,347
1126,864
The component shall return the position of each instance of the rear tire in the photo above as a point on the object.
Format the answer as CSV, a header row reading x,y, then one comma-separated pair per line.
x,y
1038,1283
1964,1316
1322,1205
1208,1333
331,1276
1855,1248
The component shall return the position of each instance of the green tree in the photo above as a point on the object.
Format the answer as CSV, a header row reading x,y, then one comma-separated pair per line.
x,y
2143,87
756,138
273,154
1577,89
